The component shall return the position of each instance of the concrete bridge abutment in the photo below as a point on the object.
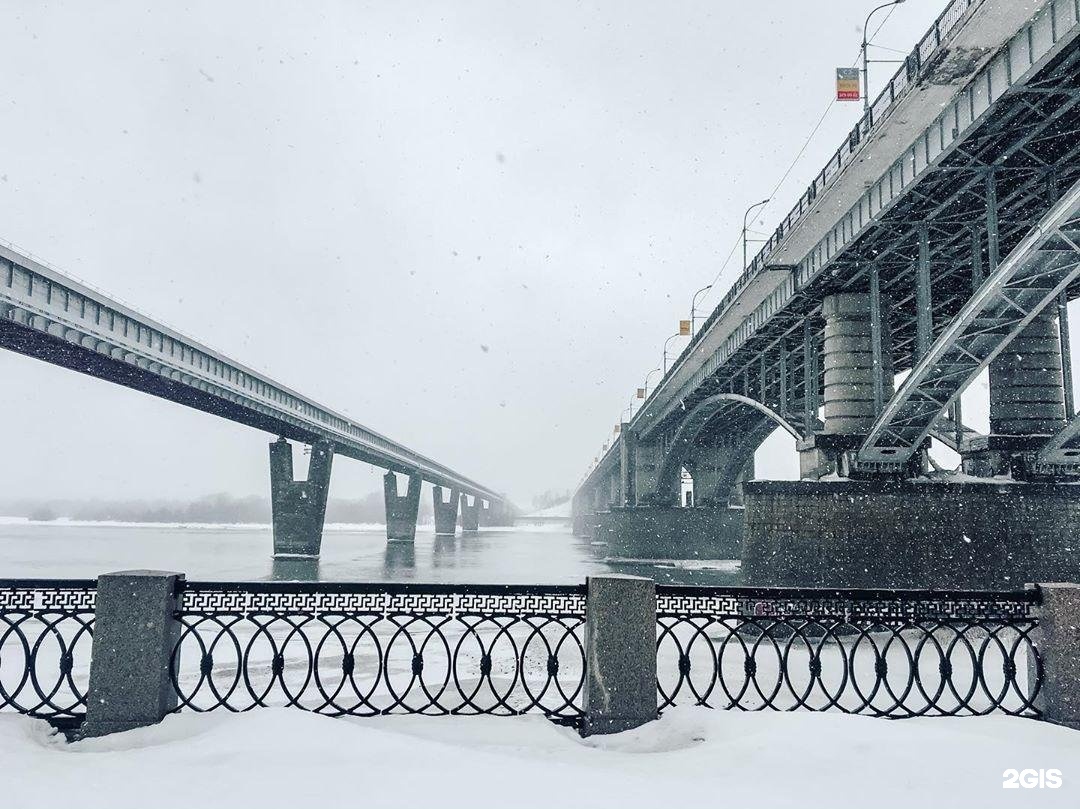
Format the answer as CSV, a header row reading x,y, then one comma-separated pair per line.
x,y
401,510
298,507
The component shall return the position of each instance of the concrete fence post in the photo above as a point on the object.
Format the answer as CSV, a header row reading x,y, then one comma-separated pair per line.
x,y
135,631
620,654
1058,642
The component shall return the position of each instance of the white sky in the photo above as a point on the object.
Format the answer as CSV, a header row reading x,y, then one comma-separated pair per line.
x,y
469,226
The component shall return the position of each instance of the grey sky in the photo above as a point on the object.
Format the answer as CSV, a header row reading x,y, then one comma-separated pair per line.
x,y
469,226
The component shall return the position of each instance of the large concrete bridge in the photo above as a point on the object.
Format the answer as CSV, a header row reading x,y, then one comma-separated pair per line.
x,y
47,315
942,239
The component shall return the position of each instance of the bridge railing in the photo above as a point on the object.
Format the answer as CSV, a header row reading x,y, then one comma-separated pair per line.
x,y
367,649
880,109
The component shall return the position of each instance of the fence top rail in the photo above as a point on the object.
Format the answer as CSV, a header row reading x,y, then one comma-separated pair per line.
x,y
393,588
1031,595
48,584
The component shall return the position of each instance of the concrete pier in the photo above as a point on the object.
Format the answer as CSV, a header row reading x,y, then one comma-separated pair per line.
x,y
446,512
919,534
470,514
298,507
670,532
401,510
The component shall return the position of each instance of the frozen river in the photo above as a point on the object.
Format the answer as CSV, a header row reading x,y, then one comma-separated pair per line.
x,y
521,555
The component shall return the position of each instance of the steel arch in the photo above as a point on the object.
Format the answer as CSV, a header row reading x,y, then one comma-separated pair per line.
x,y
694,423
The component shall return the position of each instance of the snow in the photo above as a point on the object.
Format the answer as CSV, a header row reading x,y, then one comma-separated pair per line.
x,y
691,757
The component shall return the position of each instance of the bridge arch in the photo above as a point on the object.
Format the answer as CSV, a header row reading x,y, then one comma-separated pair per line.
x,y
667,487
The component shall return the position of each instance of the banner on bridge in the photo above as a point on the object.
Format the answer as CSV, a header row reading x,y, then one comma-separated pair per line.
x,y
847,84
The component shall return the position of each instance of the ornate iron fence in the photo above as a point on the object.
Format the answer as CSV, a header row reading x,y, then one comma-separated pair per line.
x,y
46,633
365,649
884,653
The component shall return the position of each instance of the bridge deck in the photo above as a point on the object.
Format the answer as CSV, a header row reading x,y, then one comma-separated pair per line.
x,y
47,315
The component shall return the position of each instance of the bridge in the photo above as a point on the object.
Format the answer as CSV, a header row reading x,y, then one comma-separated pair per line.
x,y
942,240
50,316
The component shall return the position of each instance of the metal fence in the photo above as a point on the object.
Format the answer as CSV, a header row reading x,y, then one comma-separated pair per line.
x,y
46,632
884,653
365,649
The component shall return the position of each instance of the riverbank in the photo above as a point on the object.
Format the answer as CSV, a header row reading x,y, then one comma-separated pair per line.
x,y
691,757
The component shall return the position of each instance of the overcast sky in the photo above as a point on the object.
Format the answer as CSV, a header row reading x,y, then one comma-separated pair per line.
x,y
469,226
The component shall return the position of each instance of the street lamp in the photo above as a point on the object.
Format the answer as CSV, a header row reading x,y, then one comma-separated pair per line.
x,y
693,305
648,376
667,342
747,214
865,61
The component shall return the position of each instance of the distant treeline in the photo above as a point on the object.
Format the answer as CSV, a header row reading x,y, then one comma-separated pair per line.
x,y
214,508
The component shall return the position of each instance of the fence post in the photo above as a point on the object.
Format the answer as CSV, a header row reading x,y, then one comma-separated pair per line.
x,y
1058,642
135,630
620,654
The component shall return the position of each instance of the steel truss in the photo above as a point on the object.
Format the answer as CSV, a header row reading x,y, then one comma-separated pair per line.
x,y
1031,277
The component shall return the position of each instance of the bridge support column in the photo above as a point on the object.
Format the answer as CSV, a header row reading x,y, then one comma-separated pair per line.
x,y
858,375
614,490
298,507
1027,401
647,461
627,467
445,512
709,466
401,510
470,515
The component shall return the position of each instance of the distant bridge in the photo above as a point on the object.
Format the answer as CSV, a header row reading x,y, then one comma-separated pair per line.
x,y
47,315
944,229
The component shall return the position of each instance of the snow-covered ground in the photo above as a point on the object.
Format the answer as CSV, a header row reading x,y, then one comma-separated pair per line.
x,y
692,757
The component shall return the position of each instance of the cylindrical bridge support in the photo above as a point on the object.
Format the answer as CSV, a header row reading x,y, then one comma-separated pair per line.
x,y
858,377
1027,393
850,373
1027,402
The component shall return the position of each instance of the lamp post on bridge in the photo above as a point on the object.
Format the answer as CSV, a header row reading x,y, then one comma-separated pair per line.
x,y
865,59
693,308
648,376
745,215
667,342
